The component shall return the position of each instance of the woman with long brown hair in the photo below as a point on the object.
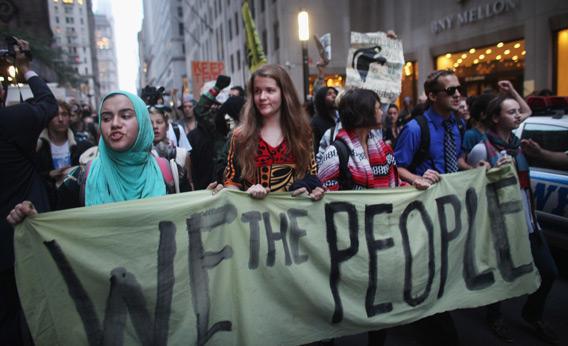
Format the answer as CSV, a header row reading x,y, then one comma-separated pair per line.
x,y
271,150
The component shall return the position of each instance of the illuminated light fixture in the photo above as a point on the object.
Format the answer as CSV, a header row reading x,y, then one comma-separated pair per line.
x,y
515,57
482,56
500,44
303,26
488,51
523,52
456,64
517,45
1,79
12,71
460,61
498,57
507,52
476,61
448,55
472,50
408,63
464,56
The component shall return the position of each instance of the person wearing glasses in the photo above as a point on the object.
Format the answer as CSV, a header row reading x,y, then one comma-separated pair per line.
x,y
422,165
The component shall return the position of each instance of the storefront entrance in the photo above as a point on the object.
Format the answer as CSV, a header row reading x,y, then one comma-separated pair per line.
x,y
481,68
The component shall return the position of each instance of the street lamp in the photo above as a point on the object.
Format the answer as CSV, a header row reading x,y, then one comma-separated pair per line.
x,y
304,36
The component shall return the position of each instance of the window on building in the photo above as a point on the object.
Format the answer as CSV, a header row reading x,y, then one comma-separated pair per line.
x,y
236,24
180,11
86,70
262,6
82,21
238,59
232,64
276,29
180,28
57,20
230,30
265,41
183,48
220,6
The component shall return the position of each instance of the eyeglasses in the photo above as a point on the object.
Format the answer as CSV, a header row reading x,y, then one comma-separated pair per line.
x,y
451,91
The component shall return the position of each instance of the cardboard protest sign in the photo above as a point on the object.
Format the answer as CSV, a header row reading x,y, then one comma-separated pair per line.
x,y
227,269
375,62
204,71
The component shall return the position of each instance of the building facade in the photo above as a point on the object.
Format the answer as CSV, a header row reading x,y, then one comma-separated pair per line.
x,y
215,32
161,45
72,23
106,54
525,41
27,20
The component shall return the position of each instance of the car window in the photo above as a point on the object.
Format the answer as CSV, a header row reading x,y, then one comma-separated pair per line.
x,y
550,137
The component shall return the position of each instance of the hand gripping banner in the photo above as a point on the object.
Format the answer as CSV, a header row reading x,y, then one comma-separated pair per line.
x,y
221,269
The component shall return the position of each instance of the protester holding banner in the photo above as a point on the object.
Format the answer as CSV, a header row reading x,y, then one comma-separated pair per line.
x,y
504,114
358,158
428,146
20,126
124,169
272,148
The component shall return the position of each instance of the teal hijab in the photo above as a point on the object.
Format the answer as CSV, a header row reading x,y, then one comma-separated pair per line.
x,y
132,174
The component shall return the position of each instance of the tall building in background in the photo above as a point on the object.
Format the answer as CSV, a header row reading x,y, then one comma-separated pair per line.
x,y
215,32
72,23
27,19
106,54
161,45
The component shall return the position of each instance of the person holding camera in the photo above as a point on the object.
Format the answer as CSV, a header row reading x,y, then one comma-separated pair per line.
x,y
20,126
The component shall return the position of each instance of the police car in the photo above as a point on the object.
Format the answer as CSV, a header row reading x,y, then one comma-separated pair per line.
x,y
550,186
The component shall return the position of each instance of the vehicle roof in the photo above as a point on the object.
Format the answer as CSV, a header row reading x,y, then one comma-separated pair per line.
x,y
548,119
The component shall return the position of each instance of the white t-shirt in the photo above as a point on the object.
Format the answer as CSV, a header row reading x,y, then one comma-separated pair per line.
x,y
183,142
60,155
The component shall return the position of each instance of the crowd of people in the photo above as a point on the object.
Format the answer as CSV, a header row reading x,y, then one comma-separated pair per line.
x,y
260,140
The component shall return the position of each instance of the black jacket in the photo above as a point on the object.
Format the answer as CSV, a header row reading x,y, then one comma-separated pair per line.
x,y
320,124
20,126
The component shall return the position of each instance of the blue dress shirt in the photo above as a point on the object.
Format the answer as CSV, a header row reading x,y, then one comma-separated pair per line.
x,y
408,143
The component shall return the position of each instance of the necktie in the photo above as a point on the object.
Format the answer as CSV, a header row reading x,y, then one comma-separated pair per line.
x,y
450,148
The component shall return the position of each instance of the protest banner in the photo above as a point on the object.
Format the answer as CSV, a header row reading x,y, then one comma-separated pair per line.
x,y
197,268
204,71
255,52
375,62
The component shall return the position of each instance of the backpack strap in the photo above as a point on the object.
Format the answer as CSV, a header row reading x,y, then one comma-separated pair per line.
x,y
423,153
166,170
462,127
176,131
345,178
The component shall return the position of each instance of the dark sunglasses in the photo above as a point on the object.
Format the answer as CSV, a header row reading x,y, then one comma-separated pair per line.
x,y
451,91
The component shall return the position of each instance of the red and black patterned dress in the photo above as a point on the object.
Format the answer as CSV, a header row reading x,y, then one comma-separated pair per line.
x,y
276,167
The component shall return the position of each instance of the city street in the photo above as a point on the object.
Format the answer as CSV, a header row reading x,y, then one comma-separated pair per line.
x,y
473,330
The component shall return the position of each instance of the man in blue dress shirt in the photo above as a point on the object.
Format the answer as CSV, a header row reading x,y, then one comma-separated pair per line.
x,y
424,168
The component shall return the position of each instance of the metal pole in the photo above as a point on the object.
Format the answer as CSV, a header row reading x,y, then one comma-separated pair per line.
x,y
306,69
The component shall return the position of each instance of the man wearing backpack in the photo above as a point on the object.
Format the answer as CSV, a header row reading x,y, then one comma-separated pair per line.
x,y
428,146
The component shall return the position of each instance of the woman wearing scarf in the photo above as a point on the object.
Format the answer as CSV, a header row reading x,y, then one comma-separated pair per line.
x,y
124,168
359,159
501,147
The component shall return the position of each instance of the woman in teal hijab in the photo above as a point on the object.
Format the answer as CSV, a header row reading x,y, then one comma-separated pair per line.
x,y
124,169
